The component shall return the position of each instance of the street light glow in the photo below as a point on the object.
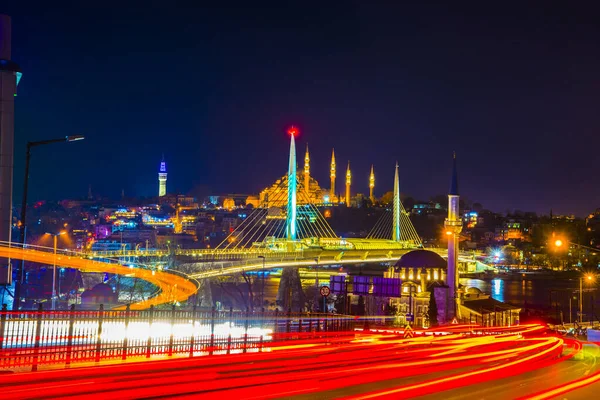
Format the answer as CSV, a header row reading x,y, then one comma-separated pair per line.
x,y
558,243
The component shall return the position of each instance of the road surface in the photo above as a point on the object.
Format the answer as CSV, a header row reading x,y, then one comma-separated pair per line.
x,y
454,365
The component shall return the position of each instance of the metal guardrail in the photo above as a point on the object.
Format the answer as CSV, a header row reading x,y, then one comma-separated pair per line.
x,y
29,339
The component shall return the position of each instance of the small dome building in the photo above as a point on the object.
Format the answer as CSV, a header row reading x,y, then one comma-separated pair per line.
x,y
419,268
418,271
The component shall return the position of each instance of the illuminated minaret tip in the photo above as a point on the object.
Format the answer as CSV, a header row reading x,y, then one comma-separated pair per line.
x,y
306,171
332,176
453,226
372,184
162,178
348,183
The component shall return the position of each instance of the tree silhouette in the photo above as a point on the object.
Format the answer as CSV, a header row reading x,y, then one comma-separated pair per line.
x,y
432,311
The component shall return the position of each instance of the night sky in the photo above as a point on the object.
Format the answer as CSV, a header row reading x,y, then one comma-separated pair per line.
x,y
515,91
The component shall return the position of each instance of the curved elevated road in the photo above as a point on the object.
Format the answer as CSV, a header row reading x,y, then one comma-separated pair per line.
x,y
171,287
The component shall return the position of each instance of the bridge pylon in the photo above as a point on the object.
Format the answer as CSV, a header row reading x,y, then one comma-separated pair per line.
x,y
290,222
396,210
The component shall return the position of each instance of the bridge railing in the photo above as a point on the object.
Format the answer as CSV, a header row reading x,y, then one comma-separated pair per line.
x,y
33,339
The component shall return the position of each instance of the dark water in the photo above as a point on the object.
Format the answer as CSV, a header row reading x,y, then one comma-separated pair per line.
x,y
547,297
552,295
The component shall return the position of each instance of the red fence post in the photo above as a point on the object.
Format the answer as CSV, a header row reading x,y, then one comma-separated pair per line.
x,y
212,330
193,333
246,329
230,323
170,353
149,342
38,333
99,334
125,338
70,335
3,324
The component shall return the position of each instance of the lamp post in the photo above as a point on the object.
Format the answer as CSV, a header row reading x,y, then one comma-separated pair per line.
x,y
589,278
56,235
30,145
262,292
317,282
411,290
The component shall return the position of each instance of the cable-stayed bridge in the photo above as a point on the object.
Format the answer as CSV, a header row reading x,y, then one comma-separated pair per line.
x,y
287,229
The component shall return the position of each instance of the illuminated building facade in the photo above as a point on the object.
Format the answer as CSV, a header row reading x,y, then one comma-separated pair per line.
x,y
162,178
419,271
276,194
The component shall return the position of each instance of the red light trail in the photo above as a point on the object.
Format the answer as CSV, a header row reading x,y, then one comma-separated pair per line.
x,y
511,362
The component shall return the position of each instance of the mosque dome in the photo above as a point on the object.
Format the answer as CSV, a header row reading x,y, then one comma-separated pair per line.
x,y
421,259
473,290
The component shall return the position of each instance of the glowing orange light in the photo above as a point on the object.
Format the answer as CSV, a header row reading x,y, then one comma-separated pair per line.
x,y
558,243
293,131
448,233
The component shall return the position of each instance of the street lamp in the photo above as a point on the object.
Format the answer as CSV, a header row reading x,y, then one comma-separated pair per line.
x,y
56,235
589,278
262,293
317,282
30,145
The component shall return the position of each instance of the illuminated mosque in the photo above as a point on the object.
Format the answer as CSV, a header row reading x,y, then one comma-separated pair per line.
x,y
309,190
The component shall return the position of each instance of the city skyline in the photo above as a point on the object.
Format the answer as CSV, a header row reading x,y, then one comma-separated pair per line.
x,y
229,195
388,88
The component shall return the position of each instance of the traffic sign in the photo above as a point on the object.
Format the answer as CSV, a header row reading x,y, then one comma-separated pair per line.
x,y
454,321
410,317
325,291
408,332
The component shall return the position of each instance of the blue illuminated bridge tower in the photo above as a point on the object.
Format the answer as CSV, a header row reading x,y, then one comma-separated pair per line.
x,y
292,188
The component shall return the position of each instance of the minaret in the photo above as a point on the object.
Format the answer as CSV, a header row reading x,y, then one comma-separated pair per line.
x,y
290,222
396,210
348,183
10,74
307,173
332,175
453,226
372,185
162,178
